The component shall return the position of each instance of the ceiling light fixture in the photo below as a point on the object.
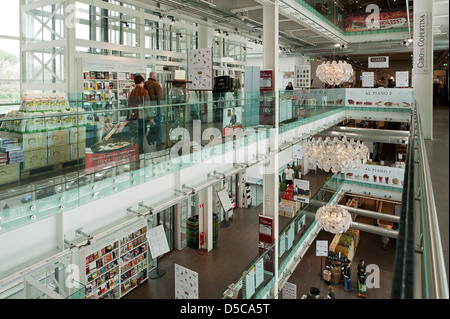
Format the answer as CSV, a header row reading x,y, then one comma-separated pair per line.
x,y
334,73
337,155
333,219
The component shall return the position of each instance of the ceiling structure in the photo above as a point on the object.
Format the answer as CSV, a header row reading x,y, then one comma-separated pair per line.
x,y
304,32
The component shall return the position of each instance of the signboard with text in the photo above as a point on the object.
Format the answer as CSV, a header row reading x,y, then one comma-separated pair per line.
x,y
378,62
265,239
378,175
423,41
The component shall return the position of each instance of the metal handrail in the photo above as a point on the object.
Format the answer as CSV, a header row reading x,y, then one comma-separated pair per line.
x,y
434,273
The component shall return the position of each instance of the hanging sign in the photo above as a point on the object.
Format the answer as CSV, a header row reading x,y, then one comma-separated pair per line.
x,y
402,79
378,175
368,79
378,62
297,151
200,69
423,41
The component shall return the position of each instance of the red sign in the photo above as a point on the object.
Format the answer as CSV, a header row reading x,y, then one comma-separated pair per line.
x,y
99,161
388,19
265,239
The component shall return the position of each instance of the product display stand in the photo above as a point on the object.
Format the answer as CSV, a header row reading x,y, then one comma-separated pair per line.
x,y
226,221
158,273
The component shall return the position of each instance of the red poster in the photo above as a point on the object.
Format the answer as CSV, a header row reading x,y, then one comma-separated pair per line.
x,y
265,239
99,161
388,19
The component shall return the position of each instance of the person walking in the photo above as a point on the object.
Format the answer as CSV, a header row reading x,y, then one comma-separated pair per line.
x,y
289,175
156,97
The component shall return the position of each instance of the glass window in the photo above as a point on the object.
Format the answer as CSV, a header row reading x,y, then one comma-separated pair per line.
x,y
9,73
9,18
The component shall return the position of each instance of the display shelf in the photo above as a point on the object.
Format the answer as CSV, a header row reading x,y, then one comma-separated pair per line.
x,y
133,261
102,271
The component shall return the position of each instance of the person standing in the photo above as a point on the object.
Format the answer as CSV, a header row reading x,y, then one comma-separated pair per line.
x,y
384,241
289,175
156,97
138,97
362,272
347,278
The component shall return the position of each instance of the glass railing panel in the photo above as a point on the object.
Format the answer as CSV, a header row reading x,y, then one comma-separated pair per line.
x,y
255,280
293,234
403,278
79,140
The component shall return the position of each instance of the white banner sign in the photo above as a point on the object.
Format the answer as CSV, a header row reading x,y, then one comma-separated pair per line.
x,y
378,175
368,79
382,97
402,79
200,71
423,41
297,151
322,248
157,241
378,62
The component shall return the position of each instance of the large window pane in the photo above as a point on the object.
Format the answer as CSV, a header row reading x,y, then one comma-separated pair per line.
x,y
9,74
9,18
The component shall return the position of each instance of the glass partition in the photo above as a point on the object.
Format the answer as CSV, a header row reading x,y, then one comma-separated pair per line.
x,y
58,153
255,280
293,234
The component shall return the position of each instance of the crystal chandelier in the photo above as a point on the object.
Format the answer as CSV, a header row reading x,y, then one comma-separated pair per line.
x,y
336,154
334,73
333,219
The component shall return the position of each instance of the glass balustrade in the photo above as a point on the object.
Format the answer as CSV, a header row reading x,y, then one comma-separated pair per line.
x,y
59,154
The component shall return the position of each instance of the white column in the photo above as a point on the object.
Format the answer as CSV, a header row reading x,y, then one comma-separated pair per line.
x,y
205,217
205,35
423,63
270,167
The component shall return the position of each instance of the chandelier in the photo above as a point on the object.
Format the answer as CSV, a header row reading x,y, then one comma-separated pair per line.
x,y
334,73
336,154
333,219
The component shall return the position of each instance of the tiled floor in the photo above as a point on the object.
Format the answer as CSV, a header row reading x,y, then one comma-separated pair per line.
x,y
237,244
